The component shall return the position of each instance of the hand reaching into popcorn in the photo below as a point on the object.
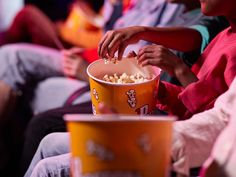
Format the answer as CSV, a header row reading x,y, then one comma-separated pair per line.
x,y
156,55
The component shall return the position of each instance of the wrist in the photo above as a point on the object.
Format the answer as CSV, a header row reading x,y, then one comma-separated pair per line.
x,y
181,70
185,75
141,32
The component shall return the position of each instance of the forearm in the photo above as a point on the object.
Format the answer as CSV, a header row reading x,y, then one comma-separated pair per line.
x,y
178,38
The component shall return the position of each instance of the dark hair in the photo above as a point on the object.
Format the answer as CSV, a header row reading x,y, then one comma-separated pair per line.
x,y
96,5
54,9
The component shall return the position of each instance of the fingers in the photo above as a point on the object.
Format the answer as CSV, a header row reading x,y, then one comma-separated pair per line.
x,y
68,66
114,46
67,63
149,61
68,71
112,42
76,50
105,109
145,49
131,54
68,59
72,66
73,52
144,56
103,45
121,51
117,40
152,55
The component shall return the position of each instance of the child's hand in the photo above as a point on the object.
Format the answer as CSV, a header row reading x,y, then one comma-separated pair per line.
x,y
159,56
118,40
105,109
73,65
131,54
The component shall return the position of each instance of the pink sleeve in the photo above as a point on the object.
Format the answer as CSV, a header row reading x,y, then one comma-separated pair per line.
x,y
230,71
168,99
198,96
201,95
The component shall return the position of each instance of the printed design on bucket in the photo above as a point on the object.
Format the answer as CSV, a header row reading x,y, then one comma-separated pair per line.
x,y
144,110
132,98
95,94
98,150
94,109
144,143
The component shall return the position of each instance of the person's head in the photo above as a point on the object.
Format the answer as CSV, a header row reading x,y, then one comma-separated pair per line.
x,y
96,5
219,7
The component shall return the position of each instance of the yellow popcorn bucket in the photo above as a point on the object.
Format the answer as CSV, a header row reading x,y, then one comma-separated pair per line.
x,y
119,146
129,98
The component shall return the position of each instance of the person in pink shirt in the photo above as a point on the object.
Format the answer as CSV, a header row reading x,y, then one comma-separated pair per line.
x,y
209,77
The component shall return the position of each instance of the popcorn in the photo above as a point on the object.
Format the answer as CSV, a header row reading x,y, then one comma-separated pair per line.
x,y
124,78
113,60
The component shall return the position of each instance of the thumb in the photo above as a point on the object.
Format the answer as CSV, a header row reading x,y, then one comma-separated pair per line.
x,y
76,50
131,54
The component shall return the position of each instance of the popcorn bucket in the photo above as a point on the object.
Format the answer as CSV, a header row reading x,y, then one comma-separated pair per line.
x,y
129,98
119,146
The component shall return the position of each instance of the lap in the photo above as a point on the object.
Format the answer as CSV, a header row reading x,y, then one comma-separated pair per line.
x,y
23,64
54,166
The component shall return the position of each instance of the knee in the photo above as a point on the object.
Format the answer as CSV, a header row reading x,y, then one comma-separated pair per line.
x,y
30,17
28,11
54,144
45,146
41,169
54,166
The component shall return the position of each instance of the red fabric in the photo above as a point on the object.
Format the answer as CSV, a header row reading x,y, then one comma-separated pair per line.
x,y
90,55
127,5
215,69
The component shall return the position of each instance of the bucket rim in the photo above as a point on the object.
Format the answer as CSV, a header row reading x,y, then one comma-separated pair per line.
x,y
117,84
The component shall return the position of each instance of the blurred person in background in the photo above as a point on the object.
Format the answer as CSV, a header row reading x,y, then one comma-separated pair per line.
x,y
54,9
83,26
